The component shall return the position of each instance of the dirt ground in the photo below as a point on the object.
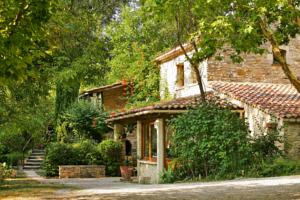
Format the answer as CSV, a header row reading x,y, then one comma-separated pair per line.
x,y
275,188
278,188
222,193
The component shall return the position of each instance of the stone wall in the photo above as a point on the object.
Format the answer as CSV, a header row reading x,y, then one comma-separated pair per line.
x,y
81,171
255,68
292,139
114,99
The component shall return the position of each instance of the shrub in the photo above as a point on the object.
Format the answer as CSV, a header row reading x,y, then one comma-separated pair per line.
x,y
81,153
5,171
279,167
210,142
58,154
168,176
13,158
110,151
82,120
87,153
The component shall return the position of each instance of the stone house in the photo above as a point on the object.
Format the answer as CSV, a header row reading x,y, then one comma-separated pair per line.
x,y
256,89
112,98
109,97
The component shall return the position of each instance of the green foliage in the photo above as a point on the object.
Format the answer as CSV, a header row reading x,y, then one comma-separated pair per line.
x,y
82,120
5,171
232,26
280,167
84,152
58,154
79,47
110,151
136,38
22,30
210,141
14,158
167,176
87,153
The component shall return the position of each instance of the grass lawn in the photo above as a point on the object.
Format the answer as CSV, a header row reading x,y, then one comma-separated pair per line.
x,y
23,188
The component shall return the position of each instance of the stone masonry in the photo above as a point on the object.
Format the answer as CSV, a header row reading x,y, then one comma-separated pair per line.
x,y
292,139
81,171
256,68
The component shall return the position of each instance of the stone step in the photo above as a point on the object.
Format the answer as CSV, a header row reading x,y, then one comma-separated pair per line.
x,y
31,167
35,160
33,163
36,157
37,154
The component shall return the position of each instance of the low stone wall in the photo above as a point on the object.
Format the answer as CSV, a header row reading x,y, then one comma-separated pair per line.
x,y
81,171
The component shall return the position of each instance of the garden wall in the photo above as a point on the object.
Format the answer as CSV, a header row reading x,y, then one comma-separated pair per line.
x,y
81,171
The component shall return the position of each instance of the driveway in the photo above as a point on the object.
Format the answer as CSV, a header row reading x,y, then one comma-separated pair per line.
x,y
276,188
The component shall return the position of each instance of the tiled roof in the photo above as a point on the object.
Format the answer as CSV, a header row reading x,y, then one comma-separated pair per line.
x,y
281,100
175,104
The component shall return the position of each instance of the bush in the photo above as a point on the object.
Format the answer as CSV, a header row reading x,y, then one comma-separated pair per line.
x,y
210,142
5,171
168,176
280,167
110,151
81,153
82,120
13,158
87,153
58,154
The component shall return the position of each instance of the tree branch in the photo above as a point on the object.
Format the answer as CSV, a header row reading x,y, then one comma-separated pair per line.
x,y
278,54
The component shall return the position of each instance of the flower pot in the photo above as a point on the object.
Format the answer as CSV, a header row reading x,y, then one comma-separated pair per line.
x,y
126,172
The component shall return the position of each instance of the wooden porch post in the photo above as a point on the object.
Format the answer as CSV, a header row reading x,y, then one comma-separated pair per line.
x,y
139,140
159,125
117,131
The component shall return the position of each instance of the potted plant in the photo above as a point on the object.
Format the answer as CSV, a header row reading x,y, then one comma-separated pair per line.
x,y
126,169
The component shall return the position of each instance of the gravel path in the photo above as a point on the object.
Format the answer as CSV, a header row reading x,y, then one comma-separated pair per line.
x,y
276,188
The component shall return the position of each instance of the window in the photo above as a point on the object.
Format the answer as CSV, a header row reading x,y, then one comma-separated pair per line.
x,y
193,76
180,75
283,52
149,145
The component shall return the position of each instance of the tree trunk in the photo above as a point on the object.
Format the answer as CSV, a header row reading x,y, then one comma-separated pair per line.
x,y
286,68
278,54
199,81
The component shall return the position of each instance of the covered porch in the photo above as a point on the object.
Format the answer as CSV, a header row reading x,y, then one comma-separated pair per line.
x,y
153,134
152,139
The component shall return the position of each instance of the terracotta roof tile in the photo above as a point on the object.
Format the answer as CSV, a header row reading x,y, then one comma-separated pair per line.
x,y
281,100
175,104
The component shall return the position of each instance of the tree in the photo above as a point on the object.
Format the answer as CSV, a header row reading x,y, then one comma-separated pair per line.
x,y
244,26
179,14
210,141
22,27
136,38
79,47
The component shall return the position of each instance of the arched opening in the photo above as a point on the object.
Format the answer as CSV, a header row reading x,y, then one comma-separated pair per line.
x,y
128,148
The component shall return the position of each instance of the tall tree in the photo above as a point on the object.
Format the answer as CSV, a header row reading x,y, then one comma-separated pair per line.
x,y
136,38
245,26
185,22
79,46
22,26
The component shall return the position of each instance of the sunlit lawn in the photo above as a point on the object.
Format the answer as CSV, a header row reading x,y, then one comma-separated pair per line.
x,y
23,188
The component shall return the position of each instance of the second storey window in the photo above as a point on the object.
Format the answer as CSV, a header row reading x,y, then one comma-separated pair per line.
x,y
193,78
180,75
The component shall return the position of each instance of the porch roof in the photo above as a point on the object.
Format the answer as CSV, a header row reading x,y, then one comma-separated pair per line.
x,y
281,100
172,107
